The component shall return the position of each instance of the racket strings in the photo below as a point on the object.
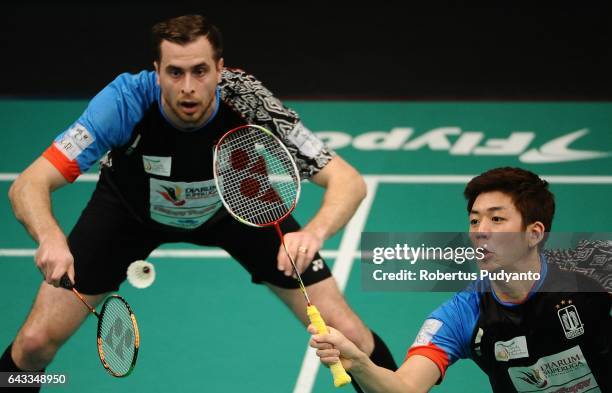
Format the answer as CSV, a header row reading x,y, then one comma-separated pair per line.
x,y
257,177
118,337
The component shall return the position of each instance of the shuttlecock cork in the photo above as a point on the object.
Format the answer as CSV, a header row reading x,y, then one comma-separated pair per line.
x,y
141,274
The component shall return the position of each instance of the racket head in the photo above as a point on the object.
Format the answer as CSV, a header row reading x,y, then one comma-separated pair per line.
x,y
255,175
118,337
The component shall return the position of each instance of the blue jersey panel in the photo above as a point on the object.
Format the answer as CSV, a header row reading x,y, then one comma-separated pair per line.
x,y
112,114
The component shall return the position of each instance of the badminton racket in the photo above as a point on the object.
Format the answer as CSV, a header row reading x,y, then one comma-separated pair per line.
x,y
118,338
259,184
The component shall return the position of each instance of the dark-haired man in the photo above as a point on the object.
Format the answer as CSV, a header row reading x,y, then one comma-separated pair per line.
x,y
156,186
552,334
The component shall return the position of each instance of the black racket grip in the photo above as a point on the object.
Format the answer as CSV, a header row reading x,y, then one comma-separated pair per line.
x,y
65,282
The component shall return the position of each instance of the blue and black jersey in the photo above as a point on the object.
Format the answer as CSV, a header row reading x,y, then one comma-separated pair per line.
x,y
558,339
164,174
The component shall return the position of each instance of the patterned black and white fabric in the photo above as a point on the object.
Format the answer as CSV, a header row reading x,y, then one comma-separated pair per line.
x,y
590,257
248,97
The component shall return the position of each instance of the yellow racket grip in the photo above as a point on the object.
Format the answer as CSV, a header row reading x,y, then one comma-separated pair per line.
x,y
340,376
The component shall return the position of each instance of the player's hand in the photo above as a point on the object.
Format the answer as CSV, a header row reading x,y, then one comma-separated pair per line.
x,y
53,258
302,245
334,346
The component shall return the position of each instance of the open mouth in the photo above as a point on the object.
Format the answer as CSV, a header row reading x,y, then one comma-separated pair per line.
x,y
486,252
189,106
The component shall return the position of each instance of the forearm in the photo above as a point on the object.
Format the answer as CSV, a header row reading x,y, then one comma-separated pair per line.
x,y
375,379
418,374
344,192
31,202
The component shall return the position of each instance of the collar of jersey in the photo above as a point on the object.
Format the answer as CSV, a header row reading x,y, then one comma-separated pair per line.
x,y
536,286
217,103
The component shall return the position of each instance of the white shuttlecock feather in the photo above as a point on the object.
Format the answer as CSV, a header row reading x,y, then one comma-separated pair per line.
x,y
141,274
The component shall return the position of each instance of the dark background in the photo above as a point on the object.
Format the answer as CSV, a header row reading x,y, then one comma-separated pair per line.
x,y
318,51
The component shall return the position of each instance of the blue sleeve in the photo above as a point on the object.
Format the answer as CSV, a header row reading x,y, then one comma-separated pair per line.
x,y
459,316
109,119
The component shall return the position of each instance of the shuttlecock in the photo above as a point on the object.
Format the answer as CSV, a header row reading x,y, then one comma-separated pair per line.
x,y
141,274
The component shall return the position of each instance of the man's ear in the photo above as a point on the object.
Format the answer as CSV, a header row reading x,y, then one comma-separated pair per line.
x,y
535,233
156,66
220,65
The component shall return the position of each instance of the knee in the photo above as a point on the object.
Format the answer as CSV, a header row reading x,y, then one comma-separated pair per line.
x,y
34,349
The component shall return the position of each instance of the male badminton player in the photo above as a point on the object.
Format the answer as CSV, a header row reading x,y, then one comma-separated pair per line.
x,y
548,335
156,186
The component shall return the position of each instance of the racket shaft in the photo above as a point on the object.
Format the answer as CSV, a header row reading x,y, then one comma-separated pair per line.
x,y
293,266
339,374
66,284
81,298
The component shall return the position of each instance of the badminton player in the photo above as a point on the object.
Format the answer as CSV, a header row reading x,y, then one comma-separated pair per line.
x,y
548,335
155,132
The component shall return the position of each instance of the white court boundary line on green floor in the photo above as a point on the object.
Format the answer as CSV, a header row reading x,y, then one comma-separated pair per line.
x,y
349,245
411,179
341,272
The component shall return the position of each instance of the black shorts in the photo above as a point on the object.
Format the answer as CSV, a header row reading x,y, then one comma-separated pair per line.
x,y
108,237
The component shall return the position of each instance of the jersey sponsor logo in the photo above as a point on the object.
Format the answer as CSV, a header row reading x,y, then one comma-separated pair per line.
x,y
468,143
157,165
80,136
305,141
183,205
428,330
570,320
173,195
74,141
535,377
562,372
511,349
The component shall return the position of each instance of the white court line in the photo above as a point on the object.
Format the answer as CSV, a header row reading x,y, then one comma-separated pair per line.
x,y
341,271
411,179
86,177
463,179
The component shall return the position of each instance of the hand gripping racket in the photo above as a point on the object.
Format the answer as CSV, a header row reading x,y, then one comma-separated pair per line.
x,y
118,338
259,184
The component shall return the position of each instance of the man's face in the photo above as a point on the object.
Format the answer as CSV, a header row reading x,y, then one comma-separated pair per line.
x,y
188,76
497,226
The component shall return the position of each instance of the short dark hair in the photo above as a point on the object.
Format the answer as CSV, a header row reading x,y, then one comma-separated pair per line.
x,y
184,30
528,191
